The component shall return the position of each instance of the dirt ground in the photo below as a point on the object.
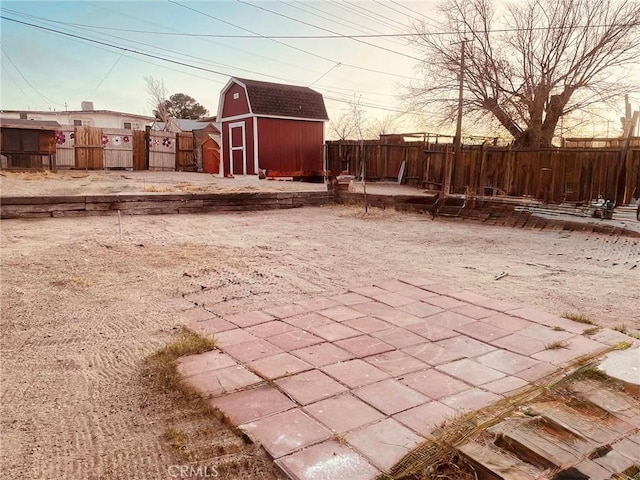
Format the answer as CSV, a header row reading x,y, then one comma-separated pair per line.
x,y
83,305
78,182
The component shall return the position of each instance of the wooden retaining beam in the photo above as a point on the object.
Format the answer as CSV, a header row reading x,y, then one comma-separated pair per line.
x,y
156,204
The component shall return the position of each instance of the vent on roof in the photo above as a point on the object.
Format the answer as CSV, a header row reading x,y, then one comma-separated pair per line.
x,y
87,106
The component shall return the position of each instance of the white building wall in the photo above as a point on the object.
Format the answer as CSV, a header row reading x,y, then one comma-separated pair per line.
x,y
88,118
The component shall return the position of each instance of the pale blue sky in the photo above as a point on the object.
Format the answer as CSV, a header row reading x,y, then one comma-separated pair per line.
x,y
65,70
43,70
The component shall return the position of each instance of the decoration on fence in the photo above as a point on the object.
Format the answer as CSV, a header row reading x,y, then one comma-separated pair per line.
x,y
72,135
60,138
125,139
116,141
166,142
105,139
154,142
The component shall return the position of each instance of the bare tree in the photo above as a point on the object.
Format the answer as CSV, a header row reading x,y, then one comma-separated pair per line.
x,y
351,123
158,96
382,125
541,60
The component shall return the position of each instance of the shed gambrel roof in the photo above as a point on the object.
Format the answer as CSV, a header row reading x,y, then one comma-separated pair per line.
x,y
281,100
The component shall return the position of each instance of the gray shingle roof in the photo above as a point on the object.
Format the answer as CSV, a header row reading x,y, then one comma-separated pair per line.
x,y
29,124
282,100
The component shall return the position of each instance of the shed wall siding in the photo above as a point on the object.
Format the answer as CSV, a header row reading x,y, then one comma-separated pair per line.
x,y
235,107
290,145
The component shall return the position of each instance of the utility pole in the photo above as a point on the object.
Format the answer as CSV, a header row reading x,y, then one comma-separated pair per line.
x,y
457,141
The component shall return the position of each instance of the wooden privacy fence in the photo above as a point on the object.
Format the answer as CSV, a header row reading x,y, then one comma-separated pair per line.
x,y
554,175
90,148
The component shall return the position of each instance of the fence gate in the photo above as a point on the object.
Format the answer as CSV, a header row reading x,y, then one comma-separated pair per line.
x,y
162,151
65,150
89,148
185,160
139,150
118,149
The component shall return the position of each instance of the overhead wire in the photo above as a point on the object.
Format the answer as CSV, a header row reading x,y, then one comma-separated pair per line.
x,y
44,97
330,31
377,33
130,50
105,76
293,47
6,71
353,10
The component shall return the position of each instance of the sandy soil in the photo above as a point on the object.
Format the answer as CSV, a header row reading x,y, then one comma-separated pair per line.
x,y
82,305
78,182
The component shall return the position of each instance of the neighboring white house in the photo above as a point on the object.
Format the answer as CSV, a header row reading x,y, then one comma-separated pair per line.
x,y
86,117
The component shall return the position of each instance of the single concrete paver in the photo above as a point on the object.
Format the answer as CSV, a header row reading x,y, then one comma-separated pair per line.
x,y
507,362
269,329
364,345
286,432
485,332
279,365
249,318
396,363
378,368
340,313
390,396
195,364
368,324
425,418
334,331
355,373
398,337
471,400
253,350
350,298
327,461
471,372
294,339
434,384
309,387
323,354
247,405
385,442
343,413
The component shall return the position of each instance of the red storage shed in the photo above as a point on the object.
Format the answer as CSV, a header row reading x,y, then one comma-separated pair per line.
x,y
272,127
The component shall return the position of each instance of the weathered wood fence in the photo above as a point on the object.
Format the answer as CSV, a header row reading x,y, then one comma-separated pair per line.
x,y
90,148
554,175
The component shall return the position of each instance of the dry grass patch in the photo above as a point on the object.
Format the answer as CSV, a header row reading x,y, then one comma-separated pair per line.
x,y
557,345
153,188
591,331
160,368
578,317
191,428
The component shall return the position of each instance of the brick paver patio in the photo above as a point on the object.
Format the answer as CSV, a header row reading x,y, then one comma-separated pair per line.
x,y
343,386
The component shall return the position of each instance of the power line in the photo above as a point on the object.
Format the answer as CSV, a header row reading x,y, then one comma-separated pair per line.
x,y
330,31
6,70
105,77
130,50
354,9
333,17
293,47
26,80
294,37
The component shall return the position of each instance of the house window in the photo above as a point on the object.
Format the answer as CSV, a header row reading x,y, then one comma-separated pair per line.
x,y
77,123
236,96
127,125
131,126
